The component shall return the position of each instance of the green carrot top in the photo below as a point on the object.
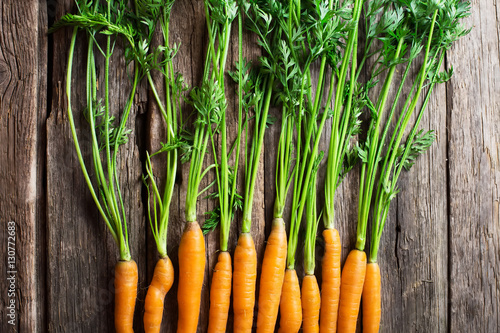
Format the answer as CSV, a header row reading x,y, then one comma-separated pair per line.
x,y
294,35
209,99
220,15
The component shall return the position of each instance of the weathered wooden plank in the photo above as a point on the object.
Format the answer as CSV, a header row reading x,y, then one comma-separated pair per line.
x,y
81,253
474,173
22,112
41,232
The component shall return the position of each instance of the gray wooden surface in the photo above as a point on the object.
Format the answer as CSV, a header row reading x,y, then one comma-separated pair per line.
x,y
440,249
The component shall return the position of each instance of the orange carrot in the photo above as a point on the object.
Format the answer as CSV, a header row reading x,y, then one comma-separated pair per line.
x,y
220,294
311,301
244,276
271,279
125,294
290,304
330,286
353,278
191,274
371,299
163,277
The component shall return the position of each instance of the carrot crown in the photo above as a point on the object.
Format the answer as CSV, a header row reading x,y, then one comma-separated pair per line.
x,y
345,118
302,36
210,103
312,221
256,102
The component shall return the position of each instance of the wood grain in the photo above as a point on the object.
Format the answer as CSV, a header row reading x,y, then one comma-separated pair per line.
x,y
439,254
474,174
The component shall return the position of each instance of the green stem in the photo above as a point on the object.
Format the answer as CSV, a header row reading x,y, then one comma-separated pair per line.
x,y
283,163
240,114
373,156
413,104
339,125
75,137
113,206
383,201
311,229
259,134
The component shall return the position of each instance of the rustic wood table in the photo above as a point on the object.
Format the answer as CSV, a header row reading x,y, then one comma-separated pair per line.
x,y
440,253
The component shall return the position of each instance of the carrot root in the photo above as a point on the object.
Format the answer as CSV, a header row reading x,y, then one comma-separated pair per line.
x,y
372,299
311,302
244,276
290,304
191,273
220,294
330,286
126,277
271,280
163,278
353,278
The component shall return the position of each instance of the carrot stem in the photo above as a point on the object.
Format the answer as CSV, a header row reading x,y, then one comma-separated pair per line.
x,y
163,278
126,277
272,275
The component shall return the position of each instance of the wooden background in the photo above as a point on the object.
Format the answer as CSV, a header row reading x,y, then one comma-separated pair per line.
x,y
440,250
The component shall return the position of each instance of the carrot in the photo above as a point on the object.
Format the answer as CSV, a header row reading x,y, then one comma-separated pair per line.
x,y
353,278
191,274
271,280
220,294
311,301
290,304
163,278
125,294
371,299
244,276
330,287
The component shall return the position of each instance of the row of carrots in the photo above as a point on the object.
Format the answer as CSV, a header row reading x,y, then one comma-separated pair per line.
x,y
407,37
